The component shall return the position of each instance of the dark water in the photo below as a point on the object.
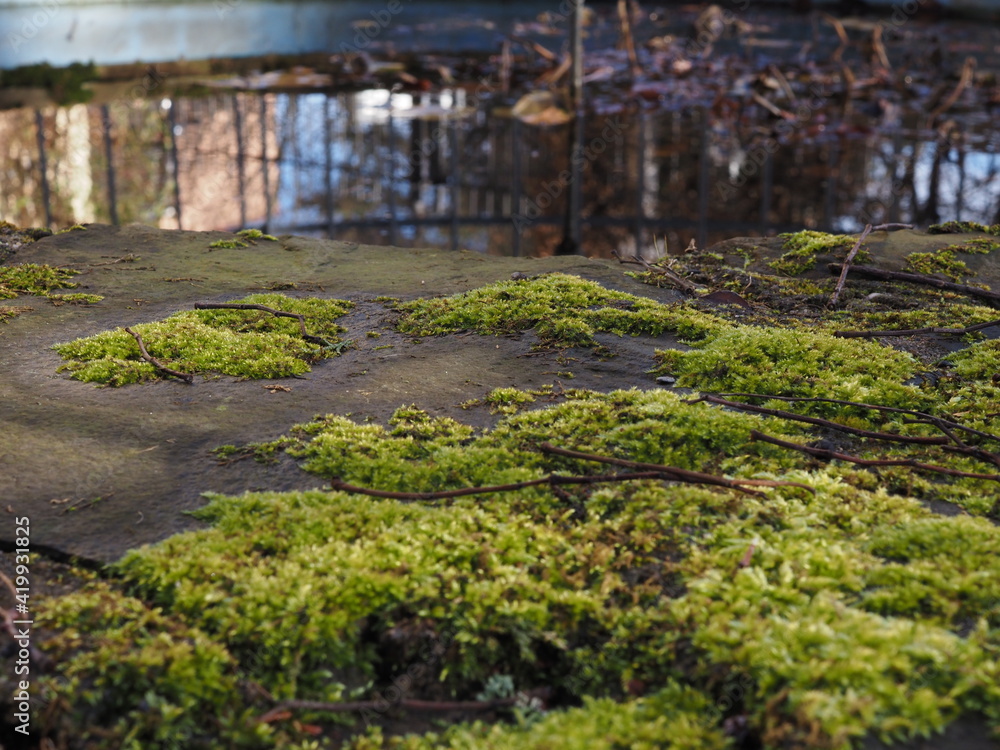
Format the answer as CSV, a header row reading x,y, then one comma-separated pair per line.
x,y
666,157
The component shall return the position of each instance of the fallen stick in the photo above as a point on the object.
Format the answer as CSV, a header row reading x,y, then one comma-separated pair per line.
x,y
887,436
636,260
854,251
277,313
679,475
915,331
283,709
553,479
831,455
930,418
871,272
847,267
186,377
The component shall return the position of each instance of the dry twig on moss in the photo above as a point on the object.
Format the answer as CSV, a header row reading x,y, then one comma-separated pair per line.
x,y
551,479
888,436
283,710
186,377
675,473
277,313
880,274
916,331
636,260
836,455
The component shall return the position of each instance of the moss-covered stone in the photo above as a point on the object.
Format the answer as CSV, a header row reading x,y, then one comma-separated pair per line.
x,y
244,343
35,279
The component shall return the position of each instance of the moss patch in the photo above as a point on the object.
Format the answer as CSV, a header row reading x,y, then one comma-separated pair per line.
x,y
963,227
801,249
35,279
243,343
563,310
816,618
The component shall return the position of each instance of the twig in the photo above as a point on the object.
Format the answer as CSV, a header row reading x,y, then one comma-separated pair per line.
x,y
822,422
847,267
854,251
831,455
186,377
637,260
679,475
931,419
915,331
281,711
553,479
871,272
277,313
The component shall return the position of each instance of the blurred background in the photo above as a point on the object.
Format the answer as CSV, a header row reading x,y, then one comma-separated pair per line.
x,y
450,125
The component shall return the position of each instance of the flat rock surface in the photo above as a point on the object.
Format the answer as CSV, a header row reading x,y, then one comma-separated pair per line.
x,y
99,470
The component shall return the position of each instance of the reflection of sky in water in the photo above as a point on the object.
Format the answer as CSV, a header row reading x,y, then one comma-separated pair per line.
x,y
126,33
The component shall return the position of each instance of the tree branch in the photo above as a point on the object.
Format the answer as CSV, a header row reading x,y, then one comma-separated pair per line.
x,y
186,377
871,272
822,422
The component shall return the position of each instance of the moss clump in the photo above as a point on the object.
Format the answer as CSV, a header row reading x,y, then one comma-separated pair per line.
x,y
788,362
978,245
941,261
228,244
675,716
35,279
963,227
243,343
819,619
75,299
801,249
255,234
507,400
74,228
563,310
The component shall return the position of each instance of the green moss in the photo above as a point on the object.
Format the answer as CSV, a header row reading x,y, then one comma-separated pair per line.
x,y
243,343
563,310
507,400
74,228
132,677
75,299
963,227
788,362
941,262
228,244
32,278
978,245
675,716
801,249
255,234
7,312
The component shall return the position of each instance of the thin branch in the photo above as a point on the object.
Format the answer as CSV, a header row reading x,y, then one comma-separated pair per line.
x,y
847,267
831,455
823,422
552,479
678,474
277,313
871,272
931,419
283,709
916,331
186,377
637,260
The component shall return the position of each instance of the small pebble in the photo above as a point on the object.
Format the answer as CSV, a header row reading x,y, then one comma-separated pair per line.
x,y
666,380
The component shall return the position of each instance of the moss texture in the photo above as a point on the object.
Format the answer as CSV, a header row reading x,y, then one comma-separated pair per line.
x,y
654,614
242,343
840,613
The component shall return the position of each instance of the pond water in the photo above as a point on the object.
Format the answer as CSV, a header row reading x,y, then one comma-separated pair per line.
x,y
774,126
